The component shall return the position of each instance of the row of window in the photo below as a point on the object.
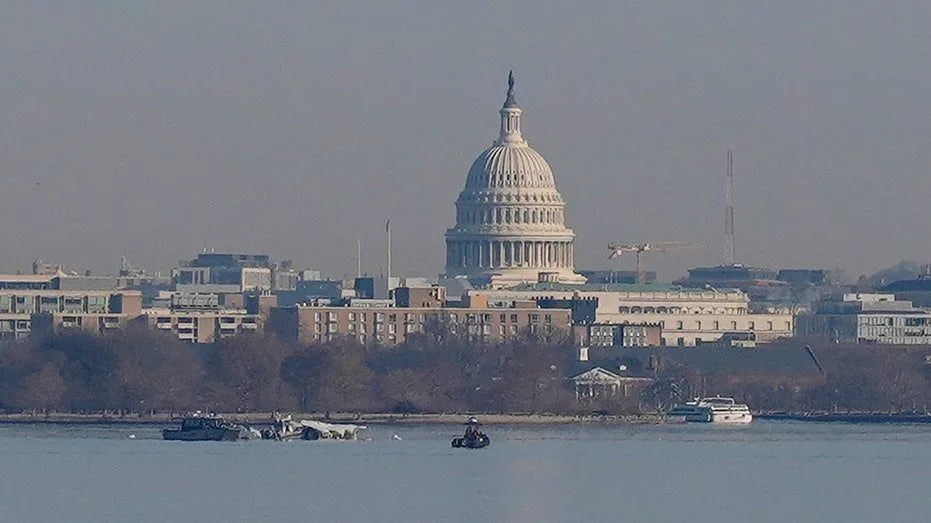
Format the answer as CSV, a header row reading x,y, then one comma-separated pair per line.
x,y
506,216
716,325
52,304
682,310
380,317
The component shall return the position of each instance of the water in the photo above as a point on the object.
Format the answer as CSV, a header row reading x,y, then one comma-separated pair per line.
x,y
766,472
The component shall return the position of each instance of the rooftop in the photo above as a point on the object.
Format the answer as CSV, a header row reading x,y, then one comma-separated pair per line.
x,y
605,287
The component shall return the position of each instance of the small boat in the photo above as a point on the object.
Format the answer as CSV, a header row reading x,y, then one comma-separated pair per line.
x,y
473,438
717,409
285,428
207,427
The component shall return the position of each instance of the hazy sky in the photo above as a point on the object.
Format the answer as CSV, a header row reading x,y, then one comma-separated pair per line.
x,y
156,129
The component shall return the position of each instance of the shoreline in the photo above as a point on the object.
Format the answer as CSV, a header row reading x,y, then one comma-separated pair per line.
x,y
259,418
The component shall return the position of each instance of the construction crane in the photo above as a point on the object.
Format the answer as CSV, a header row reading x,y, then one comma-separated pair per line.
x,y
615,250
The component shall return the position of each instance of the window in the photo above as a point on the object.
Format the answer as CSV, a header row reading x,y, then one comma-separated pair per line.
x,y
503,318
534,318
751,325
679,325
392,328
331,316
352,316
317,316
716,325
733,325
698,324
513,318
769,325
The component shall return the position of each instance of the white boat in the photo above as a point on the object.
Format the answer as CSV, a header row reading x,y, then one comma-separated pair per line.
x,y
717,409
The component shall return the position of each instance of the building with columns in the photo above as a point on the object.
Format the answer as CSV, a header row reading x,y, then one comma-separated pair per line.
x,y
510,219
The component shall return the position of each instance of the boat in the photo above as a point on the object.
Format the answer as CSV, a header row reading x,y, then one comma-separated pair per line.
x,y
473,438
208,427
717,409
286,428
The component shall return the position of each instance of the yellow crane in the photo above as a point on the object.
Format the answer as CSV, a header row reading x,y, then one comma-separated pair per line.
x,y
615,250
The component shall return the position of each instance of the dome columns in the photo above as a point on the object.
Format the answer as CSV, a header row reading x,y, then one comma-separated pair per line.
x,y
509,254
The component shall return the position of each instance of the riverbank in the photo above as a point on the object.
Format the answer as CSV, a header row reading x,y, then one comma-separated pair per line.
x,y
258,418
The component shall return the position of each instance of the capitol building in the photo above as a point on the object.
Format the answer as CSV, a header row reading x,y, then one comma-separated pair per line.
x,y
510,218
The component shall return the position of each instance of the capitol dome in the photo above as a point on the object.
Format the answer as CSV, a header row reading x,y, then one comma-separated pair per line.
x,y
510,224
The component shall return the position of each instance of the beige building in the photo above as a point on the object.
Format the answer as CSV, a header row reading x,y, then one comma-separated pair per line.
x,y
687,317
24,311
392,325
202,326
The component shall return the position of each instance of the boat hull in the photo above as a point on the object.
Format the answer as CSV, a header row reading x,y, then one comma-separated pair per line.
x,y
472,443
213,434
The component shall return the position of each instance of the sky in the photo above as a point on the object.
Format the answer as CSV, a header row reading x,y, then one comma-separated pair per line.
x,y
155,130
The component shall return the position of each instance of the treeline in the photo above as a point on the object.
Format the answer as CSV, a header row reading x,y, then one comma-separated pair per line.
x,y
852,378
143,370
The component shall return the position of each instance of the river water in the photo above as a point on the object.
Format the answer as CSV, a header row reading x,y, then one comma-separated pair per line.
x,y
766,472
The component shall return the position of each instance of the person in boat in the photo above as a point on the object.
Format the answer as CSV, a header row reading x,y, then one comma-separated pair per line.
x,y
472,433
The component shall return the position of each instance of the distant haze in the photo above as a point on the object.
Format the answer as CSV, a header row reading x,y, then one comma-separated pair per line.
x,y
157,129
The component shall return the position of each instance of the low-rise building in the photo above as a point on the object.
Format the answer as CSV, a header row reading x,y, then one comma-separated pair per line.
x,y
866,318
27,312
687,317
613,335
389,323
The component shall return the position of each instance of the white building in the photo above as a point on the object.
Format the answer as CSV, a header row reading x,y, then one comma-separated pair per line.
x,y
867,318
510,218
687,316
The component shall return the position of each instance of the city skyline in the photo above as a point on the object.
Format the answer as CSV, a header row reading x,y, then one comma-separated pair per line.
x,y
296,131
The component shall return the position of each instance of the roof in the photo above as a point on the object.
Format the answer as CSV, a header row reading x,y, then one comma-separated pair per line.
x,y
598,374
921,284
603,287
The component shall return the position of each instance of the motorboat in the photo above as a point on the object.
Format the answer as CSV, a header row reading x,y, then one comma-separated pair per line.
x,y
717,409
286,428
208,427
473,437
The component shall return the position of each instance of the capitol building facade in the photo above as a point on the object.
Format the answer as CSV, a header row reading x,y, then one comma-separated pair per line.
x,y
510,218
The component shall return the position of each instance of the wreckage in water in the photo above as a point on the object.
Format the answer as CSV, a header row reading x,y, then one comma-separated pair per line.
x,y
287,428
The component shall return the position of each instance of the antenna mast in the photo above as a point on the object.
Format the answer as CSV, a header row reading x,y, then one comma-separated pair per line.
x,y
730,257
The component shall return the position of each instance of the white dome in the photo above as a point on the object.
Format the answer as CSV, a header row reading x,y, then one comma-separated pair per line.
x,y
507,165
510,219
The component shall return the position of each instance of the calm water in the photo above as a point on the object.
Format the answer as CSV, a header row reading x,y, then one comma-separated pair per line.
x,y
767,472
